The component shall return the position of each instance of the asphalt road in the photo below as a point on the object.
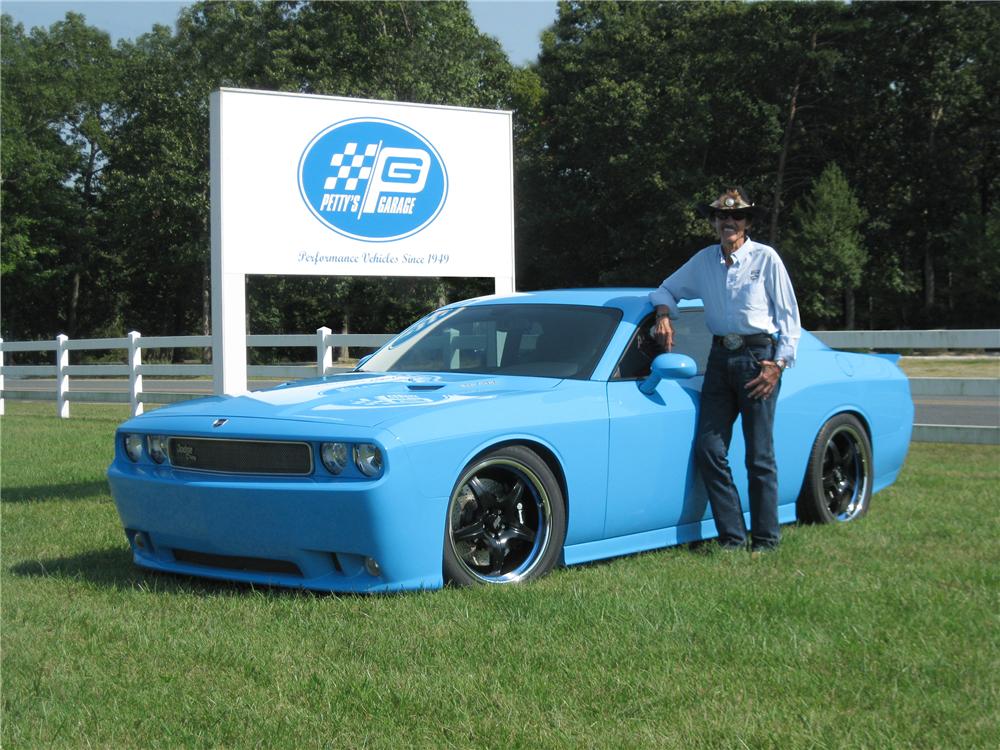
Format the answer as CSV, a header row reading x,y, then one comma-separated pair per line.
x,y
957,410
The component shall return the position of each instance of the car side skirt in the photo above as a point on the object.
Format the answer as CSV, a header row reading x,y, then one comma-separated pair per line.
x,y
576,554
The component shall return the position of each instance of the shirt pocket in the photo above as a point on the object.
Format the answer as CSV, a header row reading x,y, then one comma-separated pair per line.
x,y
751,295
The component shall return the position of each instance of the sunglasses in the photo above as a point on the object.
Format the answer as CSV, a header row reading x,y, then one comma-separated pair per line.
x,y
737,215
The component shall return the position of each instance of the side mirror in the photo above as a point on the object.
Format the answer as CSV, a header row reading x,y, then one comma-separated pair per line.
x,y
362,361
668,366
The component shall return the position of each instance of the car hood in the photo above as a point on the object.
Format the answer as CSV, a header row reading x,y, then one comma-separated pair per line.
x,y
362,399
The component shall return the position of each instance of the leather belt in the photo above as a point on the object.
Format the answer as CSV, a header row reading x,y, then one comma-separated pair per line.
x,y
734,341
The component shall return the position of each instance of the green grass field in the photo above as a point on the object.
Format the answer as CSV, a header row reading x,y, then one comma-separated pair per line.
x,y
877,634
951,367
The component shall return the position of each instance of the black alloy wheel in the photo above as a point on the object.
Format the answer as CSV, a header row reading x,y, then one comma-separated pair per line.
x,y
838,482
506,520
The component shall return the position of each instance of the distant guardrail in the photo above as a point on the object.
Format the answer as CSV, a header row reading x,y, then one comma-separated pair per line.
x,y
952,387
324,341
977,338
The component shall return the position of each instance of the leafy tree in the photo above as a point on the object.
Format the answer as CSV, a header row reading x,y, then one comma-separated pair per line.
x,y
825,250
972,275
649,108
427,52
633,113
920,136
57,86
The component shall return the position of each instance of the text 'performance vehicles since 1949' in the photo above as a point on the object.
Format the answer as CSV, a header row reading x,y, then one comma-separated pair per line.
x,y
490,441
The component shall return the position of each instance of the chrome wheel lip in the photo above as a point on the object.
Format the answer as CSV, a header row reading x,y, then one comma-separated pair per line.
x,y
543,531
846,473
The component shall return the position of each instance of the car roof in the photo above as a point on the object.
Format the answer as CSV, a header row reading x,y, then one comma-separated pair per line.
x,y
631,300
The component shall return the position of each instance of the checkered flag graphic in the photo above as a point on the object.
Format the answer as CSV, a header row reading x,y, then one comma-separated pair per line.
x,y
351,167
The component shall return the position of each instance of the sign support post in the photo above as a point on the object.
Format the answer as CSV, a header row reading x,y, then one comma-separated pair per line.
x,y
229,326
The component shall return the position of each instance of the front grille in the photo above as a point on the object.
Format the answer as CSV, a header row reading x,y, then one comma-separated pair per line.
x,y
243,564
241,456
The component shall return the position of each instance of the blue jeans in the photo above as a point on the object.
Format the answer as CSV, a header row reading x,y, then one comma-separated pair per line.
x,y
723,398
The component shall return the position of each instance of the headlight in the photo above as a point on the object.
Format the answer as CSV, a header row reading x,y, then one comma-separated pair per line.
x,y
334,456
157,448
133,446
368,459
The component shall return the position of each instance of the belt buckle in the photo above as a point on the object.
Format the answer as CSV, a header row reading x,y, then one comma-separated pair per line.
x,y
732,341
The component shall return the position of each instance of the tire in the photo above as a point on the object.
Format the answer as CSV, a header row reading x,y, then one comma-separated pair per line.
x,y
838,482
506,520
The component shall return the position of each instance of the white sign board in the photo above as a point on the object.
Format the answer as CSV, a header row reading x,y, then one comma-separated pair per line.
x,y
332,186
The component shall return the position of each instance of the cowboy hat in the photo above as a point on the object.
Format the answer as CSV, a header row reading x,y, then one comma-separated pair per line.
x,y
734,199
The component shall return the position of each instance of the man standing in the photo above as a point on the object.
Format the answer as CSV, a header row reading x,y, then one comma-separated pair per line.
x,y
751,311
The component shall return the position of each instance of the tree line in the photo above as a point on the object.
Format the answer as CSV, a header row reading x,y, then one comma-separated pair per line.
x,y
869,130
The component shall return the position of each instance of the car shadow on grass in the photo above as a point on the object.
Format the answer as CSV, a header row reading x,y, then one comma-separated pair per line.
x,y
108,567
113,568
38,493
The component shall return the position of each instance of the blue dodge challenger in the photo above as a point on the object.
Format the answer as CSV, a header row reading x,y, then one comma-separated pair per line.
x,y
491,440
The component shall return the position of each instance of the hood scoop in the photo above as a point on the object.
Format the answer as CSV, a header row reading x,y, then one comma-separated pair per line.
x,y
434,387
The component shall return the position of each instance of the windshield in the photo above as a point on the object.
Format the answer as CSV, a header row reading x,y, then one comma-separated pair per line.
x,y
553,341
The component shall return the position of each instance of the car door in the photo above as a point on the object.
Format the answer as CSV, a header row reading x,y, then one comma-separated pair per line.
x,y
652,481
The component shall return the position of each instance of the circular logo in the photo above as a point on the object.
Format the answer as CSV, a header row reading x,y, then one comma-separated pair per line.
x,y
373,180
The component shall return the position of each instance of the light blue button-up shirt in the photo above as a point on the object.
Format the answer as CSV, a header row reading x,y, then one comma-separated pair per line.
x,y
753,295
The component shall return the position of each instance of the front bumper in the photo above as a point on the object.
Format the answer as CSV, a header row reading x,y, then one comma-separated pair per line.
x,y
300,532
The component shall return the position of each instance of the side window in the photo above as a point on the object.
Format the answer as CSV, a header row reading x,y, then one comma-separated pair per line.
x,y
690,338
639,354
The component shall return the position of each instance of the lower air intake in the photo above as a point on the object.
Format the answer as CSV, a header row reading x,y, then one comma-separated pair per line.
x,y
244,564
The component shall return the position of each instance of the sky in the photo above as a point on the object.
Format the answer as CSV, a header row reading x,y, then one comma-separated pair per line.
x,y
518,24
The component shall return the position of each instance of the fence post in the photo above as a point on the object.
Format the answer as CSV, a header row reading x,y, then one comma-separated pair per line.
x,y
62,376
1,377
135,372
324,352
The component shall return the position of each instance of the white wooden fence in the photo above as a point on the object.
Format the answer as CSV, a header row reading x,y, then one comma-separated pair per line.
x,y
324,341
